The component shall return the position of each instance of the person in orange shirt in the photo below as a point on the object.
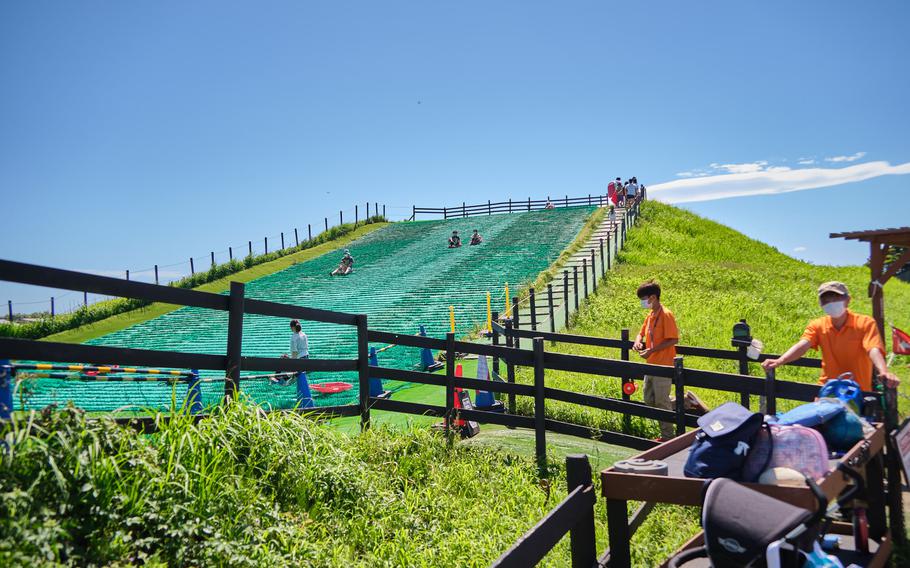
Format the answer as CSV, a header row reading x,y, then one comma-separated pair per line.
x,y
849,342
656,343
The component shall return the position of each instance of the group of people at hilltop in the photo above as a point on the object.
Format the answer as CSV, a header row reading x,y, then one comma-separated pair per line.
x,y
849,342
621,193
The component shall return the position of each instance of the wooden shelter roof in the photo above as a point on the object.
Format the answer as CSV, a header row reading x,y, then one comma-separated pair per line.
x,y
899,236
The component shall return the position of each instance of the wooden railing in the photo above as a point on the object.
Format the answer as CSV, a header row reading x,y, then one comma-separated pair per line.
x,y
510,206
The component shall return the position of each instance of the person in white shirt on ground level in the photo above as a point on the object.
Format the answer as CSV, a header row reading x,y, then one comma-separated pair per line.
x,y
300,347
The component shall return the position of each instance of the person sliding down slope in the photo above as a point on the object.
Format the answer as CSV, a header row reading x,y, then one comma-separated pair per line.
x,y
476,239
454,240
346,266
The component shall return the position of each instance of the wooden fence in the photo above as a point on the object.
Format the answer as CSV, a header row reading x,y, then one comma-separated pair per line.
x,y
510,206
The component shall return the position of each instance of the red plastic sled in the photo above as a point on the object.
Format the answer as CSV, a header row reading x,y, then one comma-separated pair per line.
x,y
331,388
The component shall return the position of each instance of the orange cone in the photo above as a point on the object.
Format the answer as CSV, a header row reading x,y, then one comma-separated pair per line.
x,y
457,391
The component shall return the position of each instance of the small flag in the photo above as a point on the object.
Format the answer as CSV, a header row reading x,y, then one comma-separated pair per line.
x,y
900,342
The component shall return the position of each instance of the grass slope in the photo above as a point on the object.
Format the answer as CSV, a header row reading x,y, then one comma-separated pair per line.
x,y
711,277
125,320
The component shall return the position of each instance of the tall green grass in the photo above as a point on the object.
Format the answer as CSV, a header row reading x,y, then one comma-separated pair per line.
x,y
245,488
108,308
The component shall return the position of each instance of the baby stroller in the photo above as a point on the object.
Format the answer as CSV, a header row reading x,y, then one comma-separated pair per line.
x,y
744,528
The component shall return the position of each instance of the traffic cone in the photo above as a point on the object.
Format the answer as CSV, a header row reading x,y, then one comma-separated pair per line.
x,y
426,356
304,396
483,399
376,388
457,403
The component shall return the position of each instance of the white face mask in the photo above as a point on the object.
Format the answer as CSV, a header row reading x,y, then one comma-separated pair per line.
x,y
645,303
835,309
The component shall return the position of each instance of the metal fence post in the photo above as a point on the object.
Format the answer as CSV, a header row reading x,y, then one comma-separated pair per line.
x,y
533,308
582,536
450,388
680,381
540,417
234,339
363,371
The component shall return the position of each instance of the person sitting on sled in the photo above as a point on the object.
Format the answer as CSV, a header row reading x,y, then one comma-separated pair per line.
x,y
346,266
454,240
476,239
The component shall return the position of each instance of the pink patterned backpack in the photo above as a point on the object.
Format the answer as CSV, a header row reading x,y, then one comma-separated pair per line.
x,y
795,447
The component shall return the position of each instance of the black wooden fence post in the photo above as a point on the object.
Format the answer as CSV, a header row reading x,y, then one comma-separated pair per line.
x,y
624,352
510,205
515,315
616,239
341,217
489,207
495,340
282,241
679,379
743,370
582,536
230,253
326,219
575,286
510,367
156,274
309,232
128,274
363,371
213,257
450,388
529,204
192,267
603,262
593,274
234,340
464,211
540,417
250,245
356,214
565,294
296,238
552,311
584,275
266,245
770,392
533,308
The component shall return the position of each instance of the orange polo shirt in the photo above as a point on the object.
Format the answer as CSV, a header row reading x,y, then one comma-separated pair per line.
x,y
655,330
845,349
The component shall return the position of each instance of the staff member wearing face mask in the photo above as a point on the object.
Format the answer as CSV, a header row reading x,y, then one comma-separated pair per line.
x,y
656,343
849,342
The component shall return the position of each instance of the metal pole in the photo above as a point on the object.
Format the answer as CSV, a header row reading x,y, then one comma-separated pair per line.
x,y
230,253
9,304
326,223
341,217
383,209
234,340
533,307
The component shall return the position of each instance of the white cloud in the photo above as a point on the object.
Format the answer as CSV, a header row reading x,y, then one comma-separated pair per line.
x,y
799,249
740,168
805,161
768,182
852,158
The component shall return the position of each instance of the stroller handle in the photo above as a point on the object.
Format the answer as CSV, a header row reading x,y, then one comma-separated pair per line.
x,y
822,509
858,484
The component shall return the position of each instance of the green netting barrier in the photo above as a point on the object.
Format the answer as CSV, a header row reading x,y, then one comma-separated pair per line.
x,y
405,276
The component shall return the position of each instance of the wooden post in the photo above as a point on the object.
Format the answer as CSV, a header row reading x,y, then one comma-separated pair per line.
x,y
234,340
618,533
309,232
582,536
510,205
464,212
383,210
266,245
156,274
875,496
213,258
743,370
540,417
593,273
450,388
584,274
533,307
575,287
893,466
326,219
357,213
565,294
603,264
84,302
363,371
230,253
489,207
52,307
192,267
282,240
770,393
127,275
413,212
679,379
296,238
495,341
250,244
515,313
529,204
589,200
567,201
9,304
510,367
341,217
616,239
624,353
552,311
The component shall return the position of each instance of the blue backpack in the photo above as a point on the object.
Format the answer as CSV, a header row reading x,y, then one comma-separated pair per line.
x,y
845,389
813,414
720,447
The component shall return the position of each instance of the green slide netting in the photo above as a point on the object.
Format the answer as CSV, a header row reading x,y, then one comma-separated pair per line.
x,y
404,276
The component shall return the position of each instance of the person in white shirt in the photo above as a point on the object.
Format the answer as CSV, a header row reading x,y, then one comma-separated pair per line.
x,y
300,348
631,190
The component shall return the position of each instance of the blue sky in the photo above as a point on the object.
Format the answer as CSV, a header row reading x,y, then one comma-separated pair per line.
x,y
140,133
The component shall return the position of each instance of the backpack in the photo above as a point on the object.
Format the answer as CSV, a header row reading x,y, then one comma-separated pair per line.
x,y
813,413
845,389
726,434
794,447
842,431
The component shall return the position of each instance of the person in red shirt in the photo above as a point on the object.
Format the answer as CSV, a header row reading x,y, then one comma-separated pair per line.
x,y
849,342
656,343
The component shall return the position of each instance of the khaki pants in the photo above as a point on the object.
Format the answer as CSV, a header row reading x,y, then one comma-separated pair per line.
x,y
657,394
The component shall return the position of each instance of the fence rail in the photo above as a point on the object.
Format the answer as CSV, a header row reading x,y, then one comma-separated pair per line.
x,y
510,206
